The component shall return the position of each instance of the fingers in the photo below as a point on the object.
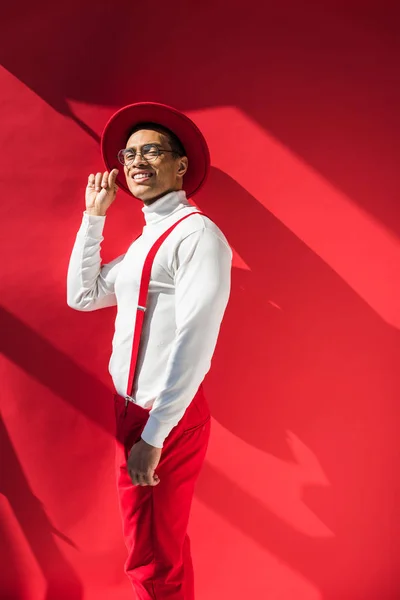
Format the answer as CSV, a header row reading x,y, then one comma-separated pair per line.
x,y
155,480
144,479
135,477
113,177
103,180
97,182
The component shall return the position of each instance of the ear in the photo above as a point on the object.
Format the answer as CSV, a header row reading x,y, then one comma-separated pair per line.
x,y
183,166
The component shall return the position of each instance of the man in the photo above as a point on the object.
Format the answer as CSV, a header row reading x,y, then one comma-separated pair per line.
x,y
162,348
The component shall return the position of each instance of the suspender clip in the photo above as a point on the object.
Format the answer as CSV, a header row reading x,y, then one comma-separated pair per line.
x,y
129,399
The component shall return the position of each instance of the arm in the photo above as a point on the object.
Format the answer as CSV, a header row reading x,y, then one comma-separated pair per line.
x,y
90,286
202,288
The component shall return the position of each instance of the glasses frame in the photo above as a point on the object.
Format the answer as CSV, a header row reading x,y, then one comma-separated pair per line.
x,y
160,150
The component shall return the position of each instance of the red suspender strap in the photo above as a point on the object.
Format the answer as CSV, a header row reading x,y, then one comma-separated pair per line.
x,y
143,291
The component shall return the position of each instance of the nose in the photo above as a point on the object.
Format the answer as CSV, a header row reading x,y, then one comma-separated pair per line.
x,y
138,161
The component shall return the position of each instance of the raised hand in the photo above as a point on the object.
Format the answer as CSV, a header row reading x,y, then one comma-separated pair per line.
x,y
101,191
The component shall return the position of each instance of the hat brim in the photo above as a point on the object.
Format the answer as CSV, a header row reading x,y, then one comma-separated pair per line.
x,y
116,131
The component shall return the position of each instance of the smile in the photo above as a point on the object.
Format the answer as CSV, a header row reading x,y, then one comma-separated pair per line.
x,y
142,176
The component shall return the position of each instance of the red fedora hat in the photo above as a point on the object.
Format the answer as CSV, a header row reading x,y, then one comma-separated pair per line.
x,y
116,131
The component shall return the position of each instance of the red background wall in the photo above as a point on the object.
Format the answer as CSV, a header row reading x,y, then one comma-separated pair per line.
x,y
299,103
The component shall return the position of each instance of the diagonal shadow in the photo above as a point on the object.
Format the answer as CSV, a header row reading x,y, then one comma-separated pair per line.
x,y
19,347
318,84
62,583
33,353
268,371
294,316
319,362
292,385
333,575
317,78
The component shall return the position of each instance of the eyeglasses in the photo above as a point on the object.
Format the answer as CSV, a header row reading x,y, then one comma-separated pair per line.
x,y
148,152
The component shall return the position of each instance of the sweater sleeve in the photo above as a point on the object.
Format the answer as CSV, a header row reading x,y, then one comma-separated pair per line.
x,y
90,285
202,288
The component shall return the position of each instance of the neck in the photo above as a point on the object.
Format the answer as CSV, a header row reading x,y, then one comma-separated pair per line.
x,y
165,206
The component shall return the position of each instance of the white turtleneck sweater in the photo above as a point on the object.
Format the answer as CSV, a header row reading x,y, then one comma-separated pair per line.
x,y
188,293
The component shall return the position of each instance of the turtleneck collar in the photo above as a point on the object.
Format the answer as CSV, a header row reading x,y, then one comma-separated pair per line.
x,y
165,206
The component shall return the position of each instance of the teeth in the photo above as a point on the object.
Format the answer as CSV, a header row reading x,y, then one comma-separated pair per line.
x,y
141,175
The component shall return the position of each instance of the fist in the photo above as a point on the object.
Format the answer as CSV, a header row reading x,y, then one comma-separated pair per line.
x,y
142,463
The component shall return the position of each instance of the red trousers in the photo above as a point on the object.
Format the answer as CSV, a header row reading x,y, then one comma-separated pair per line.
x,y
155,519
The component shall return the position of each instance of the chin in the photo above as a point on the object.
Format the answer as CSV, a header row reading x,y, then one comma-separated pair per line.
x,y
141,192
146,194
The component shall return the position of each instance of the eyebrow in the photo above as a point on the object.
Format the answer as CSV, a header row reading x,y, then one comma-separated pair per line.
x,y
146,144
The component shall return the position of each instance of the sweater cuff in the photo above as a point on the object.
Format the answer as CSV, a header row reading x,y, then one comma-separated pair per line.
x,y
155,432
92,225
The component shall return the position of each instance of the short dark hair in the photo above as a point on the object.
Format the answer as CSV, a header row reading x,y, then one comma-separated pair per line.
x,y
175,143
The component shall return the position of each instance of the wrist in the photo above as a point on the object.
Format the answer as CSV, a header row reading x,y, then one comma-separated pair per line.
x,y
94,212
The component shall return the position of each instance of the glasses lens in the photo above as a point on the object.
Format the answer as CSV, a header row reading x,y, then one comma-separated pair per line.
x,y
150,152
125,157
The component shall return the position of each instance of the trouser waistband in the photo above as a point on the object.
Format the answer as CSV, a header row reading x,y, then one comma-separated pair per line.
x,y
129,401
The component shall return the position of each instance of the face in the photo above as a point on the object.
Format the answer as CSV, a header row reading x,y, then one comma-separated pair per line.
x,y
149,180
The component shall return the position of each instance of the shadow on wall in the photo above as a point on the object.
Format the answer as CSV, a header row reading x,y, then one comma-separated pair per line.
x,y
318,359
318,362
24,347
320,78
60,579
